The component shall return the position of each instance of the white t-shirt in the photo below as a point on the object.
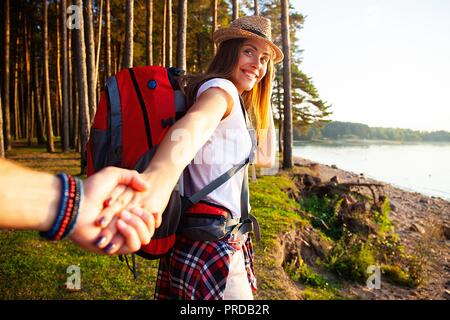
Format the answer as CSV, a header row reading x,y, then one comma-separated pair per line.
x,y
229,145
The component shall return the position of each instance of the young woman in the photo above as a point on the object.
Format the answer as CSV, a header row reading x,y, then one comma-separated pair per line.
x,y
210,139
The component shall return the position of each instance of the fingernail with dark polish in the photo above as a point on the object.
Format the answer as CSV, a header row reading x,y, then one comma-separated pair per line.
x,y
109,247
107,202
100,241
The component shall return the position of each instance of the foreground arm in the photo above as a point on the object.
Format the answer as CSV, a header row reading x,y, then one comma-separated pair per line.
x,y
29,200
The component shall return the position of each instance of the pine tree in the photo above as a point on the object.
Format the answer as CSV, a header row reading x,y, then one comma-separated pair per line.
x,y
149,33
6,92
181,35
90,56
82,89
288,135
65,79
48,106
128,52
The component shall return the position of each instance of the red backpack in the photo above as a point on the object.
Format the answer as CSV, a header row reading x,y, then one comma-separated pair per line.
x,y
136,110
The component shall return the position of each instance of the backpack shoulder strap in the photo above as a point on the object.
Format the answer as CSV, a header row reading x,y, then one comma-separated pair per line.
x,y
114,122
214,184
230,173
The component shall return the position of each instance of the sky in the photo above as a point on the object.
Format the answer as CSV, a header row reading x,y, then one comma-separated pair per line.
x,y
384,63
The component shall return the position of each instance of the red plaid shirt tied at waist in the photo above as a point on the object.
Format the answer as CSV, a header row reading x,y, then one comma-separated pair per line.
x,y
198,270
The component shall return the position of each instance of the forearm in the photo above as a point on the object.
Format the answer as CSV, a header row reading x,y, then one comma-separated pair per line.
x,y
181,144
175,152
28,199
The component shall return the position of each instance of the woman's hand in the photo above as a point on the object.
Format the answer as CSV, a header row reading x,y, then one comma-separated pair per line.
x,y
137,229
126,206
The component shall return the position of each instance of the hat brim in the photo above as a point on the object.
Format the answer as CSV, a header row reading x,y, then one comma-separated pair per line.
x,y
224,34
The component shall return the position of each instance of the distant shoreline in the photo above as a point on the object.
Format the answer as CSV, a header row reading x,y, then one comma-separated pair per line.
x,y
414,167
367,142
327,172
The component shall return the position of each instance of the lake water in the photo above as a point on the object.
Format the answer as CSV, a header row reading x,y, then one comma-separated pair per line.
x,y
424,168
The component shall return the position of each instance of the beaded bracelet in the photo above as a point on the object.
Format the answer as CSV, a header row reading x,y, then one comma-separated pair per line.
x,y
67,213
76,208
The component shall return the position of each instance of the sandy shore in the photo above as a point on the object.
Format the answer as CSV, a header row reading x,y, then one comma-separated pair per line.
x,y
421,223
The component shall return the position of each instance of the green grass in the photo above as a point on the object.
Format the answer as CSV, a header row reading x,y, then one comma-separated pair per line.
x,y
350,260
276,213
31,268
324,211
354,252
382,218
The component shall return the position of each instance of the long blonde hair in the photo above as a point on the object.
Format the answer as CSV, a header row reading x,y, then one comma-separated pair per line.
x,y
257,100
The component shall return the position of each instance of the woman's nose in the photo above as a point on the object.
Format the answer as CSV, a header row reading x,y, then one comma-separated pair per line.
x,y
256,63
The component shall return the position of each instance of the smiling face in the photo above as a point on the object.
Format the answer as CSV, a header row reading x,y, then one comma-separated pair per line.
x,y
251,67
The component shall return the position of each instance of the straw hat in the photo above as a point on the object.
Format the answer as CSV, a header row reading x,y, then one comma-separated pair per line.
x,y
251,27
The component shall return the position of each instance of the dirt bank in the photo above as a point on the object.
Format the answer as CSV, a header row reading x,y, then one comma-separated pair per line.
x,y
422,223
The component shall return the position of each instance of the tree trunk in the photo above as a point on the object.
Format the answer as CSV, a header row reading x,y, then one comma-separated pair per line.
x,y
108,38
16,57
82,90
37,96
75,118
149,33
199,52
2,144
119,48
99,45
214,23
182,29
256,7
48,107
65,79
128,52
58,91
90,56
72,83
235,9
288,134
280,118
169,33
6,93
164,35
30,102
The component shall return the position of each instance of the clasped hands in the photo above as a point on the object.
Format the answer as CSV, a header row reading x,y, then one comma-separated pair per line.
x,y
116,215
127,211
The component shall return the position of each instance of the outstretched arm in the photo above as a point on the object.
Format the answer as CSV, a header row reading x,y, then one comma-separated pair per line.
x,y
177,149
29,200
